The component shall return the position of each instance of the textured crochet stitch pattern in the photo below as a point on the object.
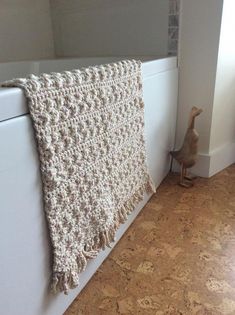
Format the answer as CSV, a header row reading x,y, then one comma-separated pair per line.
x,y
89,128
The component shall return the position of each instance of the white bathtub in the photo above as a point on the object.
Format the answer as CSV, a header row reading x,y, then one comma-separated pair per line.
x,y
25,263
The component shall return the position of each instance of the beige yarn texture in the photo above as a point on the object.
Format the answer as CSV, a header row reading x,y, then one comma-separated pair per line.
x,y
89,126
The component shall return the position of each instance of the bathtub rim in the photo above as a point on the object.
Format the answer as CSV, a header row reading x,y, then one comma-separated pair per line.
x,y
13,102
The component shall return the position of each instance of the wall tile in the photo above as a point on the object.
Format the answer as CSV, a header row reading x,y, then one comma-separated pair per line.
x,y
173,26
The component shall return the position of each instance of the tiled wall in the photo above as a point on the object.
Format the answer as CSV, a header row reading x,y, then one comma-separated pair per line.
x,y
173,26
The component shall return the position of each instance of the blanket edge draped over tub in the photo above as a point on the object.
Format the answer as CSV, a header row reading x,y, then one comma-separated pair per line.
x,y
89,127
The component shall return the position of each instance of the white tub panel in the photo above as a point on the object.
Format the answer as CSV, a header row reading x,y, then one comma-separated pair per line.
x,y
25,263
160,97
12,103
24,243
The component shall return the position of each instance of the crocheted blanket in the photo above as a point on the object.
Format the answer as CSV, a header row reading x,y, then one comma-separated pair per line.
x,y
89,127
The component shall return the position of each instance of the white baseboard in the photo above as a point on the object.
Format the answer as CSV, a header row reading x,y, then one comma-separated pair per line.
x,y
210,164
221,158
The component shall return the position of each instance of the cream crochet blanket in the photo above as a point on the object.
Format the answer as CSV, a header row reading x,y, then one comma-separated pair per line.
x,y
89,126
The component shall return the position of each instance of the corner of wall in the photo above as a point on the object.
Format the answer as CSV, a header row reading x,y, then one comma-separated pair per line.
x,y
198,58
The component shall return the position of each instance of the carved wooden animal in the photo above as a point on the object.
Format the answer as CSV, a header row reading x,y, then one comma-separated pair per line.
x,y
187,155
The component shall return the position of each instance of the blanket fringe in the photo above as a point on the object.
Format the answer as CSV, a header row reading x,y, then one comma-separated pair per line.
x,y
63,281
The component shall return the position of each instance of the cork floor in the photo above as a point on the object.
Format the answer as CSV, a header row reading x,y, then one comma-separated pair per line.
x,y
177,258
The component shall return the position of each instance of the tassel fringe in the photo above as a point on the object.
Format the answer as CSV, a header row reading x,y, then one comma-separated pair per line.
x,y
63,281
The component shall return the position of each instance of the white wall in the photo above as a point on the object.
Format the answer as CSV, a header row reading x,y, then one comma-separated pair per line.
x,y
198,52
207,80
25,30
223,121
110,27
